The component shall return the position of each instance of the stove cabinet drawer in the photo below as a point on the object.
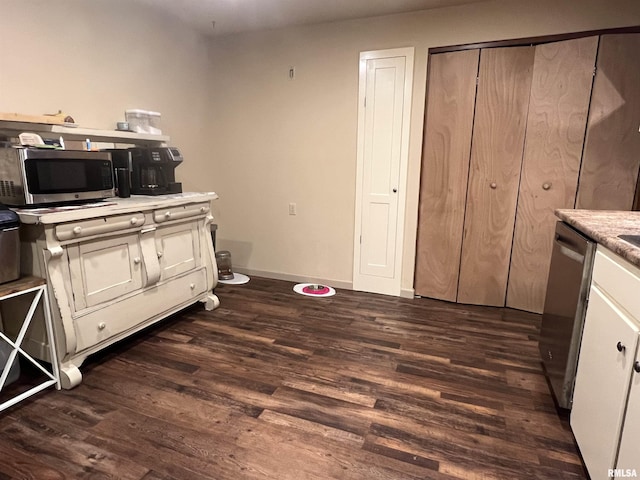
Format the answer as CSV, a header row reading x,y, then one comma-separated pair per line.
x,y
98,226
181,212
128,314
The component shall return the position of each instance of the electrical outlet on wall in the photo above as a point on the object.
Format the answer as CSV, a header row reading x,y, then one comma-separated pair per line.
x,y
293,210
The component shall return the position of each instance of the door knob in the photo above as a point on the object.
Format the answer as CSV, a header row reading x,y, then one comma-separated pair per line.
x,y
395,190
102,326
136,260
620,346
636,367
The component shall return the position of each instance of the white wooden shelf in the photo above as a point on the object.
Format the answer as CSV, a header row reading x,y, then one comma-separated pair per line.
x,y
37,287
12,128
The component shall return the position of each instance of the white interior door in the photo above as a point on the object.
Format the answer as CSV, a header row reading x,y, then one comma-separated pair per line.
x,y
383,137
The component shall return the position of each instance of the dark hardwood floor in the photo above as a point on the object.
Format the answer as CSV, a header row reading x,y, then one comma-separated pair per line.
x,y
275,385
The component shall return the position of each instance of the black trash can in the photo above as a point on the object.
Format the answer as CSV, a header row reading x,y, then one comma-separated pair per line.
x,y
9,245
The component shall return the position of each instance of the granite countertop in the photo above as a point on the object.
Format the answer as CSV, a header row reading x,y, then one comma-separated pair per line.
x,y
604,226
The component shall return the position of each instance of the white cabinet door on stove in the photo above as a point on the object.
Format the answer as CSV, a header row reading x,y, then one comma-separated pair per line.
x,y
178,249
103,270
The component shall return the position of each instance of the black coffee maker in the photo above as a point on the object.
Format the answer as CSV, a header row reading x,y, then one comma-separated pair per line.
x,y
151,169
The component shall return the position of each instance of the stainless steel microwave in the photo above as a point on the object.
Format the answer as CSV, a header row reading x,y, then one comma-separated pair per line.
x,y
31,176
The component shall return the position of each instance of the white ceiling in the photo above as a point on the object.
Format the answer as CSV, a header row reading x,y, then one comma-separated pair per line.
x,y
234,16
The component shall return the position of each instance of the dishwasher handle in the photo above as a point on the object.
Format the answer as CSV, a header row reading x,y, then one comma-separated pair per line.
x,y
569,250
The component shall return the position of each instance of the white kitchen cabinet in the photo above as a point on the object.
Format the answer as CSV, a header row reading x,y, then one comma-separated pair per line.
x,y
115,268
629,453
606,400
177,238
178,249
602,382
92,283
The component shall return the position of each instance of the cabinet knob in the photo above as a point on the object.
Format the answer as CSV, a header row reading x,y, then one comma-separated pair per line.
x,y
395,190
102,326
203,209
493,185
636,367
546,186
134,220
136,260
620,346
192,286
77,230
160,254
167,215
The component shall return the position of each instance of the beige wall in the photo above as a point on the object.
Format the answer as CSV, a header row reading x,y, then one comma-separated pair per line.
x,y
278,141
247,132
94,59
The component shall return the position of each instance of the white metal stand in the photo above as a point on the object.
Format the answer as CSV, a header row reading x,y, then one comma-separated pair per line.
x,y
53,377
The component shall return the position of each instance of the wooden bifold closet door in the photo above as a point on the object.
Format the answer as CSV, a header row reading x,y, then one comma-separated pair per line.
x,y
612,148
485,238
445,167
558,107
504,81
474,132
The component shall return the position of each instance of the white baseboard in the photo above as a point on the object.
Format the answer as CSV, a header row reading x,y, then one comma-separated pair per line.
x,y
407,293
294,278
289,277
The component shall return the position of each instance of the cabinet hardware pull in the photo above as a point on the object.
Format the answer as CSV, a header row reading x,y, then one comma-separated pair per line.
x,y
136,260
395,190
636,367
546,186
102,326
77,230
203,209
167,215
160,254
493,185
134,220
193,285
620,346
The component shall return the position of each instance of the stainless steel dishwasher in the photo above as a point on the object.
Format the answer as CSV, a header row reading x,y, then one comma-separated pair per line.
x,y
564,309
